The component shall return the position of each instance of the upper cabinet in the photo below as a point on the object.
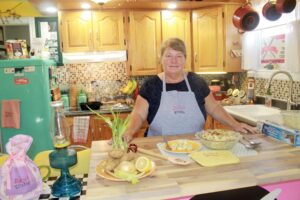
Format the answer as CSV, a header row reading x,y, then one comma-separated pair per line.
x,y
76,31
208,39
83,31
212,42
178,24
108,29
216,42
144,42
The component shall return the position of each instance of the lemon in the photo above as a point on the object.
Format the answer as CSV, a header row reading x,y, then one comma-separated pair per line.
x,y
143,164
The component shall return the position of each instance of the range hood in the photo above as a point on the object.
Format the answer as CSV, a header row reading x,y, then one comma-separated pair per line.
x,y
103,56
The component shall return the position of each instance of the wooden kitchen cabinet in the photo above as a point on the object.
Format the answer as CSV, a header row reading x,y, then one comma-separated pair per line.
x,y
75,31
99,130
178,24
144,42
214,38
85,31
212,123
103,132
108,30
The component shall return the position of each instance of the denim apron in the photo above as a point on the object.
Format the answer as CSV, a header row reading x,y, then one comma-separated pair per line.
x,y
178,113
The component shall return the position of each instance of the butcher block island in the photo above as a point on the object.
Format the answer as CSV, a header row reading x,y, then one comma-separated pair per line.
x,y
274,162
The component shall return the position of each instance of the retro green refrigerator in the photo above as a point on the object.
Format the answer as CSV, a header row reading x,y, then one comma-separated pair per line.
x,y
28,80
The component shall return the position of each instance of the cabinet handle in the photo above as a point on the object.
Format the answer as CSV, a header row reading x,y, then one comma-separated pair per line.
x,y
195,58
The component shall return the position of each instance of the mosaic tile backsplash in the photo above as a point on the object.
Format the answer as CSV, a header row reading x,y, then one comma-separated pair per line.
x,y
110,76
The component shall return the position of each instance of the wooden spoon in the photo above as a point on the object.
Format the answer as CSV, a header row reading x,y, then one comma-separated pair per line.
x,y
177,161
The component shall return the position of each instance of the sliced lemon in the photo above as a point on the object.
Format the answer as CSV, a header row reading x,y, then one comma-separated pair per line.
x,y
143,164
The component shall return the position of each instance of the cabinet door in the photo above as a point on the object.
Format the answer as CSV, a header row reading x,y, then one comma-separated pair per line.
x,y
209,123
108,30
76,31
219,125
144,42
178,24
101,130
208,39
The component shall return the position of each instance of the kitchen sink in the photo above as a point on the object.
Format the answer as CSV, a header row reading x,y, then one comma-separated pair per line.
x,y
253,113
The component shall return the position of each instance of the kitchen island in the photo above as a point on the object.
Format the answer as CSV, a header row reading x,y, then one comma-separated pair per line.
x,y
275,162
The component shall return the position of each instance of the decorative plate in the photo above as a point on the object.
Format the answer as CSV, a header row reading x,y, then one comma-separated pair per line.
x,y
100,171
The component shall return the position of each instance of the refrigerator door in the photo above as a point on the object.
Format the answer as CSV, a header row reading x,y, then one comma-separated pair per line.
x,y
28,81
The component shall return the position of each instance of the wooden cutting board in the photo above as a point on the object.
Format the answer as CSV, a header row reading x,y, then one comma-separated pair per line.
x,y
212,158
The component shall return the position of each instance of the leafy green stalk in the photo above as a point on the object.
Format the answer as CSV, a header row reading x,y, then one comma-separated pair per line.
x,y
118,127
133,178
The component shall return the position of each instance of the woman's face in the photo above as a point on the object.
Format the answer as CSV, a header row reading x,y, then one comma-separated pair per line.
x,y
173,61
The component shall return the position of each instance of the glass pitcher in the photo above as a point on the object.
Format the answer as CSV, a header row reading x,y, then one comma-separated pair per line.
x,y
59,128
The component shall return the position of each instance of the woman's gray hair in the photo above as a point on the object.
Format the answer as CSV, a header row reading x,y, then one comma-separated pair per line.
x,y
174,43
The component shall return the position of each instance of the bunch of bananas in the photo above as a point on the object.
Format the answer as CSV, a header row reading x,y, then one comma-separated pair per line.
x,y
129,88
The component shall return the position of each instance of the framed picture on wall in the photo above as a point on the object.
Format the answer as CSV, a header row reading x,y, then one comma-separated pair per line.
x,y
47,28
1,36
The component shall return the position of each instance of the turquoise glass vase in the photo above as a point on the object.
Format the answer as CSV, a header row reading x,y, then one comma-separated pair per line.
x,y
66,185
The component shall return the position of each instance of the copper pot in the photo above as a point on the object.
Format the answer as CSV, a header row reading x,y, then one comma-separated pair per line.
x,y
285,6
245,18
270,12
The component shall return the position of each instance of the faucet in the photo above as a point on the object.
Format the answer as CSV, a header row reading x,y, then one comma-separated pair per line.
x,y
289,99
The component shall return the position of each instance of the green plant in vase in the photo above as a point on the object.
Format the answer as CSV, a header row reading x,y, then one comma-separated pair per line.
x,y
118,127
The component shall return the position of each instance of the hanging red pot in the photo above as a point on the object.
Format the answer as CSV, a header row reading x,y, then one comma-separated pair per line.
x,y
270,12
245,18
285,6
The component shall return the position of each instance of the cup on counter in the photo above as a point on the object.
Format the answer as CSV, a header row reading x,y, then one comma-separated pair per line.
x,y
81,98
65,99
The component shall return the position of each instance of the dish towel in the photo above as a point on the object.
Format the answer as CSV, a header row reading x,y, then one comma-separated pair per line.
x,y
10,114
81,129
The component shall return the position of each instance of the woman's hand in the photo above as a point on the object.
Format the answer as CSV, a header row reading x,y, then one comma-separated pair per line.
x,y
127,138
245,128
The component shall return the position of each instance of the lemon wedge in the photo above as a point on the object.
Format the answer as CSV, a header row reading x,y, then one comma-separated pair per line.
x,y
143,164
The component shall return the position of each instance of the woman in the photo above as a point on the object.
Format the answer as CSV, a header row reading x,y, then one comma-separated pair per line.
x,y
176,102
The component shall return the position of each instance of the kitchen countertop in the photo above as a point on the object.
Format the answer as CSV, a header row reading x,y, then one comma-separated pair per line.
x,y
104,109
253,113
275,162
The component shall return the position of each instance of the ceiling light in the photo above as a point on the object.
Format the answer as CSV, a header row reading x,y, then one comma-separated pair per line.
x,y
172,6
51,9
85,6
100,1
